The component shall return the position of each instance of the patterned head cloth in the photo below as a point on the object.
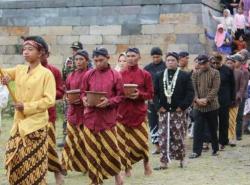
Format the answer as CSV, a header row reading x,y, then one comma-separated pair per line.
x,y
173,54
83,53
37,42
100,51
134,50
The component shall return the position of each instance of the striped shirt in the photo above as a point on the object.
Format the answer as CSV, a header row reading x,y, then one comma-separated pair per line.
x,y
206,85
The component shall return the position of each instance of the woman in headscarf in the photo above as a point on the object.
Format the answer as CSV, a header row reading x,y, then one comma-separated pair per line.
x,y
122,63
222,39
73,155
226,20
27,149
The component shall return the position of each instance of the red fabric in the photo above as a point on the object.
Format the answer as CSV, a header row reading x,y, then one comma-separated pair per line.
x,y
75,112
59,89
133,112
108,80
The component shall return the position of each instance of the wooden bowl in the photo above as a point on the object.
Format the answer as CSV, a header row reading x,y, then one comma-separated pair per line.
x,y
94,98
73,95
129,89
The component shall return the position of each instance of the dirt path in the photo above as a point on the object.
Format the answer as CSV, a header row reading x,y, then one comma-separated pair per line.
x,y
231,167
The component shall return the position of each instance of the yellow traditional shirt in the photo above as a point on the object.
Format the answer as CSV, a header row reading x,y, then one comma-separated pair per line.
x,y
37,91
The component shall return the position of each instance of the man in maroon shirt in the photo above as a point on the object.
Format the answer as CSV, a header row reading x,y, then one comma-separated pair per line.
x,y
132,125
102,152
53,159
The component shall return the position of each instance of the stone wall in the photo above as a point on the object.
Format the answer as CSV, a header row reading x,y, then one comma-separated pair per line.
x,y
174,25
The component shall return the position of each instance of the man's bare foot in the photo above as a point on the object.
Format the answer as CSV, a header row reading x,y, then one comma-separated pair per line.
x,y
128,173
118,179
59,178
147,169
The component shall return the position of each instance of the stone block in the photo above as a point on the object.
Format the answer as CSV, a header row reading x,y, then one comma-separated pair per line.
x,y
63,50
71,21
16,21
175,8
50,12
36,21
163,39
90,20
89,11
140,39
170,1
52,21
177,47
107,20
187,38
195,8
131,29
18,30
128,19
129,10
51,30
112,2
109,11
91,39
80,30
4,31
56,59
11,40
150,9
120,48
188,28
12,59
115,39
149,19
3,21
178,18
50,39
110,47
144,48
12,50
202,39
67,39
105,30
196,48
157,29
2,52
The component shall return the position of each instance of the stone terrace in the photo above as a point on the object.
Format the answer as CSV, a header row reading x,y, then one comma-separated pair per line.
x,y
174,25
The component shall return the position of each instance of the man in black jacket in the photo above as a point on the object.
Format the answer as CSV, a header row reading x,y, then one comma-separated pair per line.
x,y
226,97
174,93
153,68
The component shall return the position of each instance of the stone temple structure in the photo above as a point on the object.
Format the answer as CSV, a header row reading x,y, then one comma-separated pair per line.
x,y
173,25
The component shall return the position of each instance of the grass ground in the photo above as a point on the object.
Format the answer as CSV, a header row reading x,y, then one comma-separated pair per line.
x,y
231,167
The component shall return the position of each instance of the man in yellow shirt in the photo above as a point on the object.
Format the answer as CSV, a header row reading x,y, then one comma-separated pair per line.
x,y
26,155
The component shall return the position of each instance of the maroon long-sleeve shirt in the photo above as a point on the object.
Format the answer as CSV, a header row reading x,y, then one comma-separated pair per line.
x,y
133,112
75,114
59,88
108,80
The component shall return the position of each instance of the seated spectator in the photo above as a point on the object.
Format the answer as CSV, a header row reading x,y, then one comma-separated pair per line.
x,y
239,43
222,39
227,20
